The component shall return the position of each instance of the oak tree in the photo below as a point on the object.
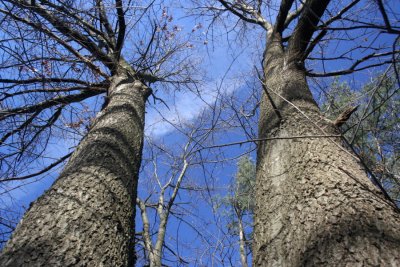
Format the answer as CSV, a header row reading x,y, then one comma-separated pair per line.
x,y
56,57
315,204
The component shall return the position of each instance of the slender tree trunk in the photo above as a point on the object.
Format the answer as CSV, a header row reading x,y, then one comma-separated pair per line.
x,y
242,242
87,217
315,206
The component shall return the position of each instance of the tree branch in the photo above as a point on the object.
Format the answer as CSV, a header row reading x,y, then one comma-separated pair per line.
x,y
66,30
307,25
257,17
51,166
283,15
121,27
68,99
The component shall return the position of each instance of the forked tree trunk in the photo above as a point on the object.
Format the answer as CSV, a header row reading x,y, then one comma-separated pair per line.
x,y
87,217
315,206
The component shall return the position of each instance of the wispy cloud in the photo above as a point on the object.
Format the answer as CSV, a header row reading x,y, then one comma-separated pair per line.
x,y
185,106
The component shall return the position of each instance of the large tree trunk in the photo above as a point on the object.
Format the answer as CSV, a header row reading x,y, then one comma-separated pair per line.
x,y
87,217
315,206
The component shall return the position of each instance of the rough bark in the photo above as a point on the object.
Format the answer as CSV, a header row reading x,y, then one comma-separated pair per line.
x,y
315,206
87,217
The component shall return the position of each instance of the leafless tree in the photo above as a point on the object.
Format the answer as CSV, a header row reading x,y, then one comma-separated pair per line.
x,y
57,58
314,200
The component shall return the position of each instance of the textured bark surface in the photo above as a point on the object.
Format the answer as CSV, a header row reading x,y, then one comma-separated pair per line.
x,y
315,206
86,217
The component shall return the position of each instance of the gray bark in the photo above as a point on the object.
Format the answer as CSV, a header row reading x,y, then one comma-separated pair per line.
x,y
315,206
87,217
155,252
242,243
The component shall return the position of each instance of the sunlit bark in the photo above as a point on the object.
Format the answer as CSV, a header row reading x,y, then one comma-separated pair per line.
x,y
86,217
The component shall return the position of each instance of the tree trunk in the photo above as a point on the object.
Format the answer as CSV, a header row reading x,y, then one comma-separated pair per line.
x,y
242,242
315,206
87,217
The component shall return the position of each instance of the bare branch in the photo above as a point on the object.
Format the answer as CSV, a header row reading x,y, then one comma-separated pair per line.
x,y
240,9
281,20
121,26
324,31
46,169
68,99
293,15
353,67
307,25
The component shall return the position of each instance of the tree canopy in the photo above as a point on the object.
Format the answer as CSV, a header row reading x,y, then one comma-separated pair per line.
x,y
214,72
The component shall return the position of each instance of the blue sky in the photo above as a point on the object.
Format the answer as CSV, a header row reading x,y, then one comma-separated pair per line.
x,y
184,106
228,67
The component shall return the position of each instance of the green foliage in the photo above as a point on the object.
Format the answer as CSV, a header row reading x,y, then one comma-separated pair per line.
x,y
238,205
374,130
338,97
243,196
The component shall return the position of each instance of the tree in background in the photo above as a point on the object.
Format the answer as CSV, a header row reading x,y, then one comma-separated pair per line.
x,y
372,128
241,203
180,218
56,54
176,225
167,171
314,201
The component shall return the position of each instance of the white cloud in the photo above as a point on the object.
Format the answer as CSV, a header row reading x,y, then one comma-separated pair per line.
x,y
185,106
